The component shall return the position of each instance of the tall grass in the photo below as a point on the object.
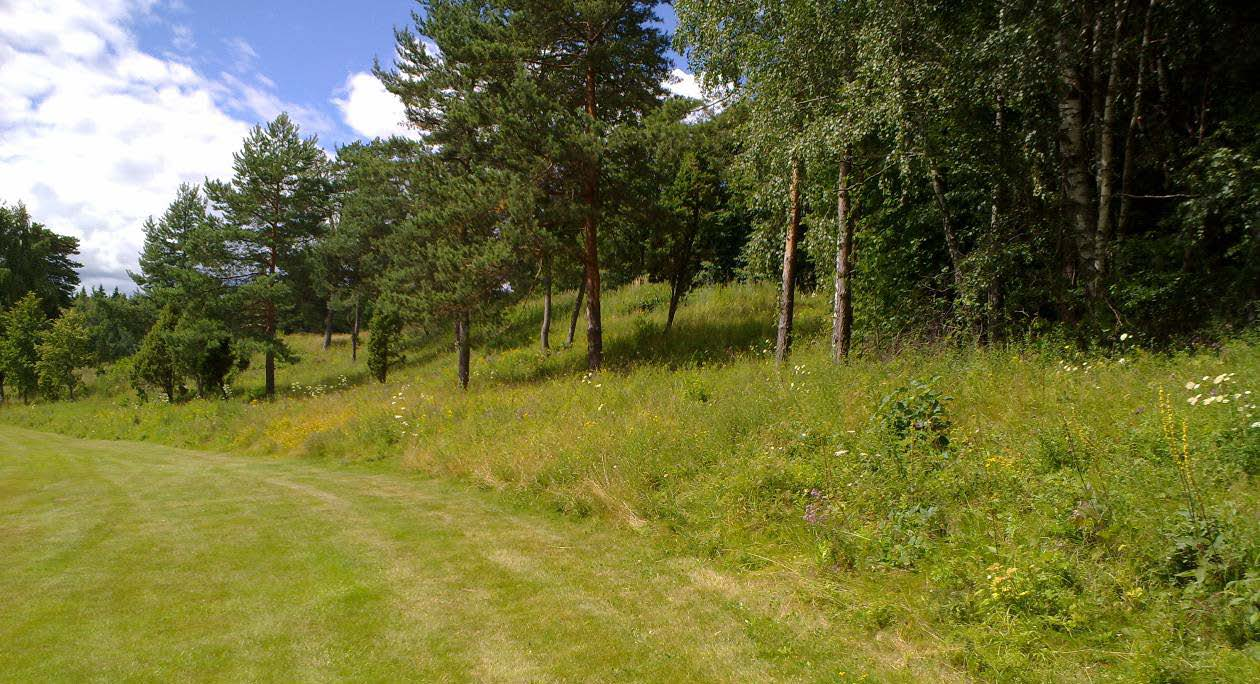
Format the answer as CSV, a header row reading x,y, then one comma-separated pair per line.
x,y
1039,533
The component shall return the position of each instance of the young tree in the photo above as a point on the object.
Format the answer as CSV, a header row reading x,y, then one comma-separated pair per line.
x,y
677,211
383,342
204,349
64,348
274,206
156,364
24,326
115,322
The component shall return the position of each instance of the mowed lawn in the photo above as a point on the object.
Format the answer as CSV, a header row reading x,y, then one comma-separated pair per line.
x,y
124,561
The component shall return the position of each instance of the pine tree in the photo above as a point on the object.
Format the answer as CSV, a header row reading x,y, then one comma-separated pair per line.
x,y
170,242
558,75
373,198
606,60
274,206
453,259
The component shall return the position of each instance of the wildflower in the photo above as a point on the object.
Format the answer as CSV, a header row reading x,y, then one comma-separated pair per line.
x,y
1125,336
1194,401
842,452
1220,378
1256,425
1192,385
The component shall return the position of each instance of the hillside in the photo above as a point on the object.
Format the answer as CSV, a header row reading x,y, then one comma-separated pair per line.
x,y
1023,511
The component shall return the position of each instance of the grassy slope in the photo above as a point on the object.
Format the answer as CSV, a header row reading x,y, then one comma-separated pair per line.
x,y
1058,468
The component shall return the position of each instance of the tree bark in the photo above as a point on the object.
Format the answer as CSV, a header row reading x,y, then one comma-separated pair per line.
x,y
577,311
787,296
1076,177
993,294
544,336
464,349
1106,154
681,281
590,228
1135,120
947,226
354,333
842,316
328,325
270,326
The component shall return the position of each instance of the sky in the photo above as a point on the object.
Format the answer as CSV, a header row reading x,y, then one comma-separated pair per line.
x,y
106,106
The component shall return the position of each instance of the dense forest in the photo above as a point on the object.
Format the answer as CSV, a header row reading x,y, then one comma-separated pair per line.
x,y
959,172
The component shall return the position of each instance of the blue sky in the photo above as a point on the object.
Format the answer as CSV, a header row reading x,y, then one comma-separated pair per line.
x,y
106,106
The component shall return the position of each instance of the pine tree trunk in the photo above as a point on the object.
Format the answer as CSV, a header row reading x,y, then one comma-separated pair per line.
x,y
1135,120
354,333
464,349
787,297
577,311
590,228
842,316
328,325
544,336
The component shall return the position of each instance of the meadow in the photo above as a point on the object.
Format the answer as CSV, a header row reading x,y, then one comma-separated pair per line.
x,y
1025,511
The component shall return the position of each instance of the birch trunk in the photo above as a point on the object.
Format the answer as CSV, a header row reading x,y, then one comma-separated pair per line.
x,y
842,316
544,336
787,296
1135,120
1106,154
1077,184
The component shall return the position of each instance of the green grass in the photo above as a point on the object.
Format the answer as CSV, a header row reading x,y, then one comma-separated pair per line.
x,y
1057,466
125,561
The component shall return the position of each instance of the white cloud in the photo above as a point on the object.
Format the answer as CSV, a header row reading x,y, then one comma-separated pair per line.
x,y
684,84
96,134
371,110
261,103
182,38
243,54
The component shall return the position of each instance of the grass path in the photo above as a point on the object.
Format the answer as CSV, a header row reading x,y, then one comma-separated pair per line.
x,y
139,562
